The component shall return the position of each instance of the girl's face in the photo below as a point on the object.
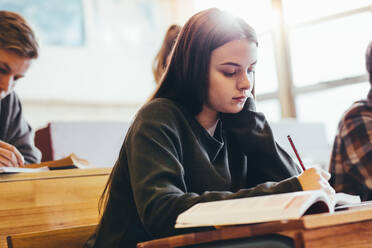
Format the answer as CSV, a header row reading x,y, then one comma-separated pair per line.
x,y
12,68
231,76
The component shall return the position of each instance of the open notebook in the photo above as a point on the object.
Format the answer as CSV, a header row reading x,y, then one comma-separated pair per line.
x,y
261,209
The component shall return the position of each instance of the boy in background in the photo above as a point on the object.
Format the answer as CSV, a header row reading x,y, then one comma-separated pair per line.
x,y
18,48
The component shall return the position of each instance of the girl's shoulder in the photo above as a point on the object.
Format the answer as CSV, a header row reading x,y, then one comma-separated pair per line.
x,y
159,106
161,110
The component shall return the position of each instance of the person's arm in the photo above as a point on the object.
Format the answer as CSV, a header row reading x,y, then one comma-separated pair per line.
x,y
155,155
251,131
18,132
254,137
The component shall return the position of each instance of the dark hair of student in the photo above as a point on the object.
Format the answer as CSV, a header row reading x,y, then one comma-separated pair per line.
x,y
369,61
17,36
185,79
160,61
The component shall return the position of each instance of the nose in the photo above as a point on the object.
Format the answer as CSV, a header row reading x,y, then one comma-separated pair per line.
x,y
245,83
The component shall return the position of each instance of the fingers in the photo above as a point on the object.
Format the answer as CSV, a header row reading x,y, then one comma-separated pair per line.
x,y
7,158
10,156
6,162
330,191
314,178
325,174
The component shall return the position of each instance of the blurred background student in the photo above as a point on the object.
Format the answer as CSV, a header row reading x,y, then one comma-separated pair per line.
x,y
351,159
162,58
18,48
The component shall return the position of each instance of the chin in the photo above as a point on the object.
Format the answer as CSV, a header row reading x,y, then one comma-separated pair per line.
x,y
3,95
237,111
234,110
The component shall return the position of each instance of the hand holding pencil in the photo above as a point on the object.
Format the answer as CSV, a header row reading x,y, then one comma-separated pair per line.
x,y
313,178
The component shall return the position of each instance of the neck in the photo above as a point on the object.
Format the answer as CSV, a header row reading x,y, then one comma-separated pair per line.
x,y
207,118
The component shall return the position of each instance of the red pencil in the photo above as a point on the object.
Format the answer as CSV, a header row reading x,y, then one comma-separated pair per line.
x,y
295,151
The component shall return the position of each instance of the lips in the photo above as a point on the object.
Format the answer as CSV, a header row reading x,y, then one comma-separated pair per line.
x,y
240,98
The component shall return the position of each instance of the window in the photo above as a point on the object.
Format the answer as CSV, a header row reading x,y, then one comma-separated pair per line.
x,y
56,22
271,109
330,50
266,77
298,11
328,106
325,42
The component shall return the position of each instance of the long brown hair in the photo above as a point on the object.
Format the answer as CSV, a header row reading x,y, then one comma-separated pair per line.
x,y
17,36
160,61
185,79
369,61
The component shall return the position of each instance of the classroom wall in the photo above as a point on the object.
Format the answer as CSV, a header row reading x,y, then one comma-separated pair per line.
x,y
109,77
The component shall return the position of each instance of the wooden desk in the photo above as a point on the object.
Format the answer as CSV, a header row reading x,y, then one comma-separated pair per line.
x,y
49,200
54,174
347,229
73,237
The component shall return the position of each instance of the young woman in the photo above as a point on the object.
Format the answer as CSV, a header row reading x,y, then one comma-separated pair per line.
x,y
199,138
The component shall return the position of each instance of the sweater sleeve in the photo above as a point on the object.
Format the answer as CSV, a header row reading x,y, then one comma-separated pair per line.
x,y
156,172
17,131
251,131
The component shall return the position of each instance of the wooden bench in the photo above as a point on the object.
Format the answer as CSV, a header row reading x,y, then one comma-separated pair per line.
x,y
74,237
50,200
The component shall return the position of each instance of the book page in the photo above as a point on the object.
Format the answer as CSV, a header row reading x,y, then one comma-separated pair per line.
x,y
241,205
4,169
70,161
249,210
343,199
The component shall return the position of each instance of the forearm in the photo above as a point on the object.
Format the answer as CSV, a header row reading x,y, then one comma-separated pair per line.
x,y
161,210
253,136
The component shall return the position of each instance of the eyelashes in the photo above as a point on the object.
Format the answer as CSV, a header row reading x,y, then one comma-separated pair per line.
x,y
250,72
3,71
229,74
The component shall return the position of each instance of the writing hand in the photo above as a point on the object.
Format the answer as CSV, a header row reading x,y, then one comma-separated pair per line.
x,y
315,179
10,156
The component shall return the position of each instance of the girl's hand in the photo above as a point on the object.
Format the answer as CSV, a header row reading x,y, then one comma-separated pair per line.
x,y
315,179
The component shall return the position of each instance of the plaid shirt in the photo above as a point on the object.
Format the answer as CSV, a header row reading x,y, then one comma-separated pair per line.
x,y
351,159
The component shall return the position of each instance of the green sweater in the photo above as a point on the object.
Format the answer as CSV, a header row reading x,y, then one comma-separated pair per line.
x,y
169,162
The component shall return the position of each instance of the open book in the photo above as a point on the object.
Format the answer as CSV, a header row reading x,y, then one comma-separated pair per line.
x,y
71,161
6,170
261,209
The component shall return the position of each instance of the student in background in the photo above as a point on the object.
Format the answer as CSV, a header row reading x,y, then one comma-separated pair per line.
x,y
18,48
161,59
351,159
198,139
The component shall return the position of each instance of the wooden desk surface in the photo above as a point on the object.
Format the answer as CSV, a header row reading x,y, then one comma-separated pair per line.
x,y
346,229
74,237
54,174
49,200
